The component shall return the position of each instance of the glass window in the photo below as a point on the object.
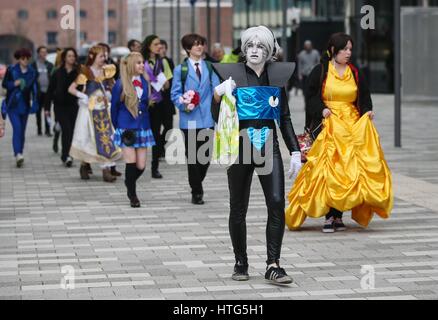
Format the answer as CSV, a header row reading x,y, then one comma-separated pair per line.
x,y
83,14
112,13
52,14
84,36
22,14
112,37
52,38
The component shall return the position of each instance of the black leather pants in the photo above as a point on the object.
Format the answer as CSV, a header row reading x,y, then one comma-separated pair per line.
x,y
239,183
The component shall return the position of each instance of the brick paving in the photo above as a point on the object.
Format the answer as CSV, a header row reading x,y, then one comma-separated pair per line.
x,y
170,249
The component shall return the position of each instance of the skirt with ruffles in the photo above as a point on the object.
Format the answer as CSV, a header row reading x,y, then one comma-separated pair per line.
x,y
143,138
346,170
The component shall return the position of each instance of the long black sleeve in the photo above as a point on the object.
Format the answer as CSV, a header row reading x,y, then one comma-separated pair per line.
x,y
50,92
286,127
365,103
315,105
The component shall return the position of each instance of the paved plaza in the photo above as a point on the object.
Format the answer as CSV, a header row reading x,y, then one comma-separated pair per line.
x,y
51,221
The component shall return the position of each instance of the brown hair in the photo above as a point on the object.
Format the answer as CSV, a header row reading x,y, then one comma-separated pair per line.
x,y
92,54
190,40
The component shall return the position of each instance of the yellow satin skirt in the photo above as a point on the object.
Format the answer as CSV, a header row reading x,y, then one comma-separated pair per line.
x,y
346,170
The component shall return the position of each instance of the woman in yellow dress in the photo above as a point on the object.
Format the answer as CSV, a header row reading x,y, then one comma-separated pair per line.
x,y
346,169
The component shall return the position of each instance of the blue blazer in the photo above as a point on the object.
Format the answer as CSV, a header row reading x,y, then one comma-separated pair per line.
x,y
201,116
120,115
23,96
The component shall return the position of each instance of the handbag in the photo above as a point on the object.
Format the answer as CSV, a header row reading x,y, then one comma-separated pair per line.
x,y
306,140
128,137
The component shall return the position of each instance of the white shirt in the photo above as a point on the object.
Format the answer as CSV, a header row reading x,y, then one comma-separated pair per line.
x,y
192,62
138,89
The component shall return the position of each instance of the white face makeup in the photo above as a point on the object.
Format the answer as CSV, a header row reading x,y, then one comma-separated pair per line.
x,y
256,52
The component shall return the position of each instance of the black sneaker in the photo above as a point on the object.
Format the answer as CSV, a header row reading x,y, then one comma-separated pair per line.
x,y
69,162
329,226
277,275
240,272
339,225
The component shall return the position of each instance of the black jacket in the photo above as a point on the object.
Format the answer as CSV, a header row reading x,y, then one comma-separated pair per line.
x,y
315,104
58,93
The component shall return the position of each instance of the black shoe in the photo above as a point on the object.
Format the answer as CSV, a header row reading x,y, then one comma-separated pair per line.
x,y
135,203
197,199
69,162
329,226
339,225
55,146
156,174
240,272
48,134
277,275
115,173
88,168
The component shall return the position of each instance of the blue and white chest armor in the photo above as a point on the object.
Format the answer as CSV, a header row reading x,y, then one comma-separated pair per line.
x,y
258,103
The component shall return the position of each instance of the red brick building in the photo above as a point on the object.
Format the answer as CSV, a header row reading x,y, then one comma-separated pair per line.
x,y
31,23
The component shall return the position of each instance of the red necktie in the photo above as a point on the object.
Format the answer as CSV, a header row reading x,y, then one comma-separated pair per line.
x,y
137,83
198,71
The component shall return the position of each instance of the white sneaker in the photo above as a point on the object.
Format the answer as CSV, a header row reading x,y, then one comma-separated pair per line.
x,y
20,160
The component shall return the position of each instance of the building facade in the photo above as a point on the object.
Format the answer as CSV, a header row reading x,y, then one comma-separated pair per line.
x,y
160,17
32,23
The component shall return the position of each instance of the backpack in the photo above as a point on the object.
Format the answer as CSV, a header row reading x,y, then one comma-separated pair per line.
x,y
185,71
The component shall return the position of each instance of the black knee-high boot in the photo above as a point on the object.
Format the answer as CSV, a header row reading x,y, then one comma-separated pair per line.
x,y
130,179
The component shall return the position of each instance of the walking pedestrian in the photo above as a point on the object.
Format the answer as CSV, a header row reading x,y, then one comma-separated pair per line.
x,y
195,75
261,102
159,73
346,169
130,117
44,70
92,141
65,104
21,100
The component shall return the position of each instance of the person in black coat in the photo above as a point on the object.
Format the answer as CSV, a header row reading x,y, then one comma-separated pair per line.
x,y
65,104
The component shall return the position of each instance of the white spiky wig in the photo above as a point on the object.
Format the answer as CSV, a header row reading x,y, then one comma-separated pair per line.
x,y
266,37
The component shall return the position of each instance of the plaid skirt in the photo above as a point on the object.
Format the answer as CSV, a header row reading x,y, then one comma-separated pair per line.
x,y
143,138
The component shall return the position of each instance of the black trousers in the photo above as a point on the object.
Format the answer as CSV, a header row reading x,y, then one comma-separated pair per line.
x,y
167,121
334,213
197,167
41,99
66,115
156,117
239,183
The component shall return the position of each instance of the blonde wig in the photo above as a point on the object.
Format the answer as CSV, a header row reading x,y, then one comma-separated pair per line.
x,y
127,72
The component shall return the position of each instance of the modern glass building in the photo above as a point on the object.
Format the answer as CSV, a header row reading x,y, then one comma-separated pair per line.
x,y
316,20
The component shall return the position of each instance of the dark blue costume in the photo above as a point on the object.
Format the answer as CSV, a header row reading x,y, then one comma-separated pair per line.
x,y
19,104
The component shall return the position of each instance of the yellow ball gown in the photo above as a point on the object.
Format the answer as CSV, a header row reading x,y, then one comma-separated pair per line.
x,y
346,167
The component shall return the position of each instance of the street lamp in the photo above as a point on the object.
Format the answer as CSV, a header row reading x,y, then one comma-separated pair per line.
x,y
397,74
208,24
154,16
248,4
193,3
218,21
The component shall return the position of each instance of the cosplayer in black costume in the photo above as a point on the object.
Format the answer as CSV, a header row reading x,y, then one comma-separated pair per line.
x,y
261,101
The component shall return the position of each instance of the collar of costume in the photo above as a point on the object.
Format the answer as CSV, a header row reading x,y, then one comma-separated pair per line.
x,y
279,73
